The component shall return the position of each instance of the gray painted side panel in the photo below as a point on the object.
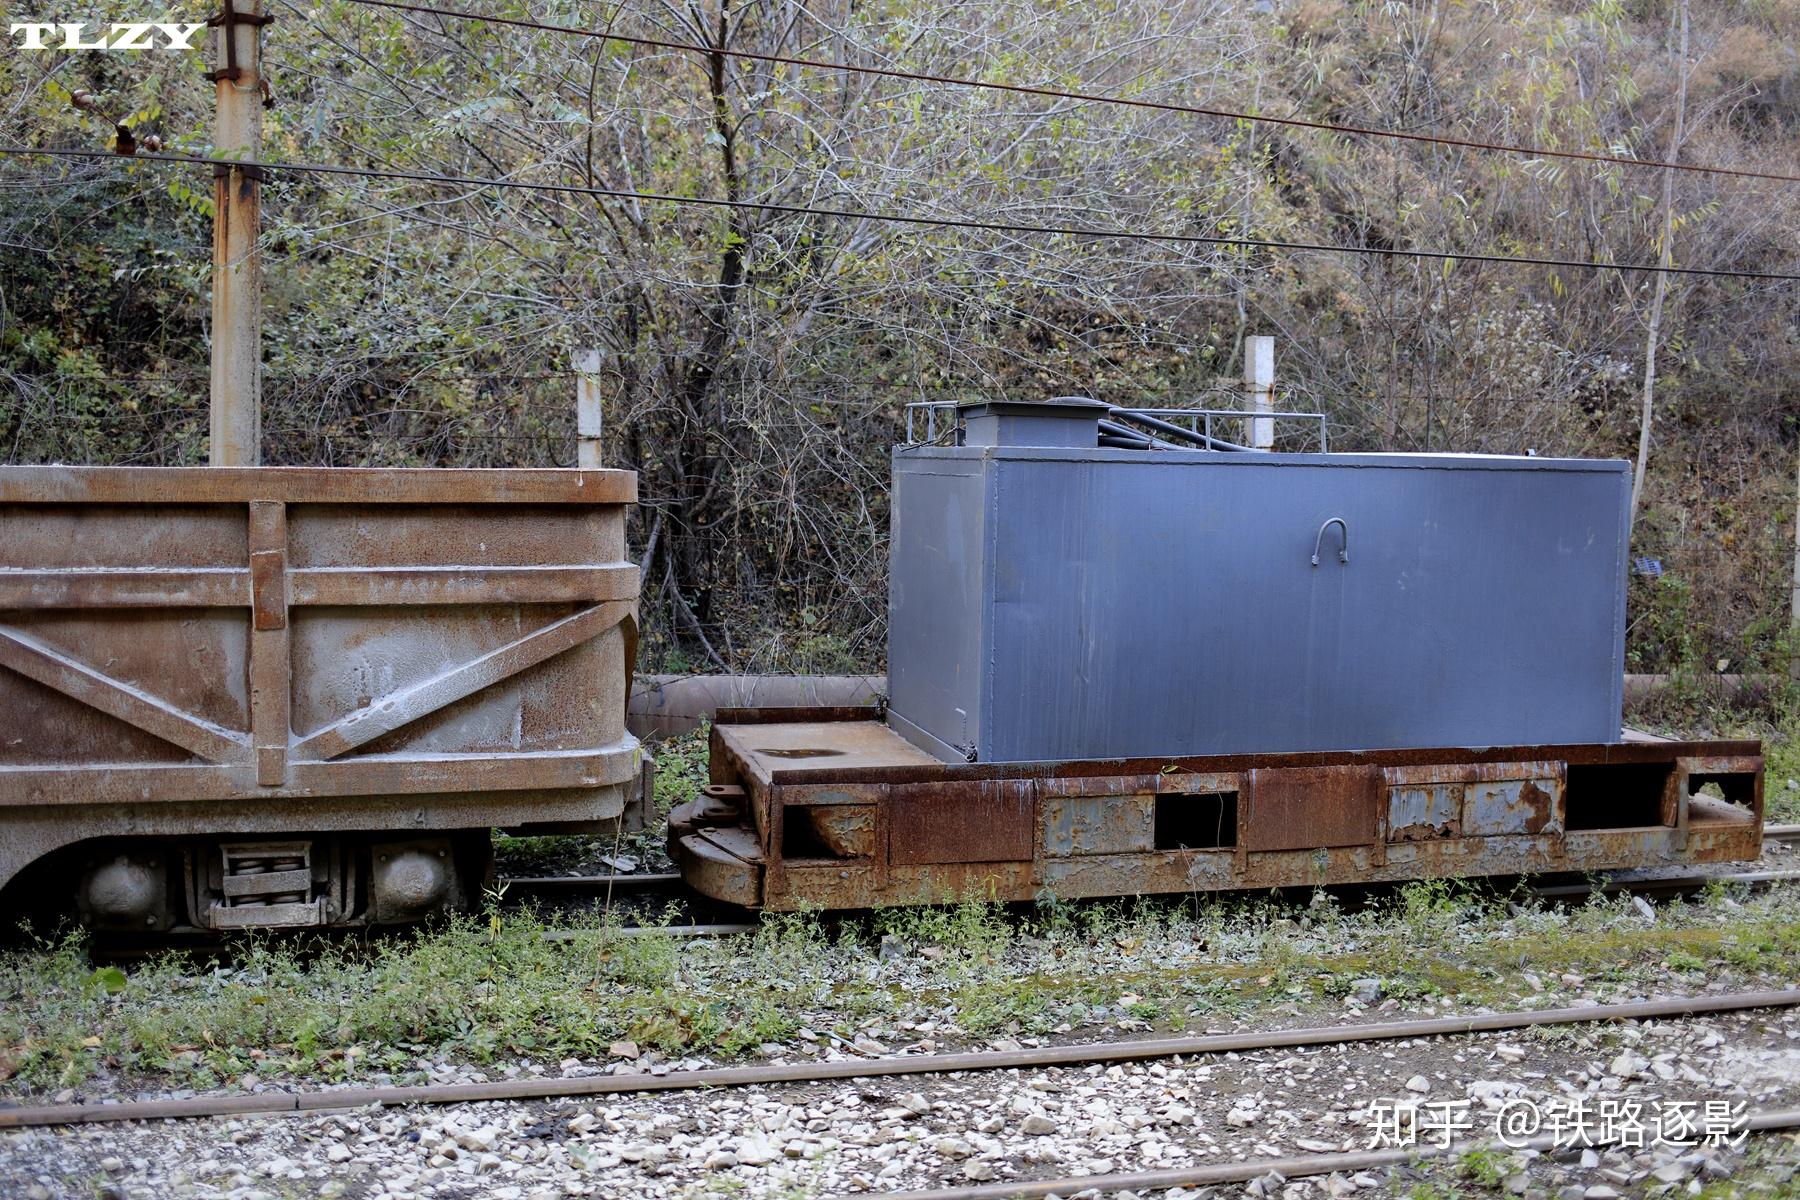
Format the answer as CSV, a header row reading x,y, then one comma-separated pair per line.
x,y
1166,604
936,601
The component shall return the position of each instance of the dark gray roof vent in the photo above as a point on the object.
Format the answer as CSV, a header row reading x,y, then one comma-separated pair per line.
x,y
1063,421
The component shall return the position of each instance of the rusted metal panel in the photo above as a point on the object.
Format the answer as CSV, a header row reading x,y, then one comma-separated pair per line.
x,y
985,822
931,883
1505,806
1107,823
192,486
1290,808
1473,800
795,752
1421,812
184,635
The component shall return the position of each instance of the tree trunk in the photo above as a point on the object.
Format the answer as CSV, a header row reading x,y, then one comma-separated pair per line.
x,y
1667,258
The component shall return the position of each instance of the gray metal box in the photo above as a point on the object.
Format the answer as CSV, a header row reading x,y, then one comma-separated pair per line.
x,y
1060,602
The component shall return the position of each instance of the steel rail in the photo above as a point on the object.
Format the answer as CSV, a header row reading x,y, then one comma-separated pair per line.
x,y
1674,883
675,931
915,1064
672,882
1294,1167
549,883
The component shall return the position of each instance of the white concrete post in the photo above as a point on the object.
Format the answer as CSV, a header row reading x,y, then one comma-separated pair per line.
x,y
1259,391
587,408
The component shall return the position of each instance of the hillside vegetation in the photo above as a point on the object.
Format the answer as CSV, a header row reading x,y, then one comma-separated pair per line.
x,y
759,360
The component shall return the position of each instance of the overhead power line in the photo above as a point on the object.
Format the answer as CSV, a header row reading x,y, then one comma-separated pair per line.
x,y
1620,160
850,214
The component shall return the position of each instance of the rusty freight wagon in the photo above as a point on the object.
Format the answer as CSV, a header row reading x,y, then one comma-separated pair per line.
x,y
1124,657
235,697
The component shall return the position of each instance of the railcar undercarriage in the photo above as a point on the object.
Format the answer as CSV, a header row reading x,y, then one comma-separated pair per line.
x,y
830,808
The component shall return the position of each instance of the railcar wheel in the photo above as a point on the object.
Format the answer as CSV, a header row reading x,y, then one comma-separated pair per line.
x,y
217,884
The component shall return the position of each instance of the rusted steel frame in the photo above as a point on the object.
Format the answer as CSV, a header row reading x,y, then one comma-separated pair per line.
x,y
315,485
479,771
1181,871
137,783
774,715
1575,754
1297,1166
229,587
915,1064
725,765
1479,772
856,880
1582,754
396,709
462,585
270,688
41,664
86,587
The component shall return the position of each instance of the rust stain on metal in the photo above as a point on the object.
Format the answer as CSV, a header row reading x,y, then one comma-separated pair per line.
x,y
986,821
1296,807
1539,806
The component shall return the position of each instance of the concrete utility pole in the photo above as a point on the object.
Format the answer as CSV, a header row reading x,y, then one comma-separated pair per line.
x,y
237,223
1259,390
587,409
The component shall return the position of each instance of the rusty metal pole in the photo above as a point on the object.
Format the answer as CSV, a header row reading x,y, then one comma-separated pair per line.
x,y
587,409
1259,390
236,425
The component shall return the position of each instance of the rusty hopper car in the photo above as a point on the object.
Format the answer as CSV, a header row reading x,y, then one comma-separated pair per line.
x,y
301,697
1118,671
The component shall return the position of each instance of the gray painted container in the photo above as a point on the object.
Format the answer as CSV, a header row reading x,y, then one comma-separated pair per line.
x,y
1056,601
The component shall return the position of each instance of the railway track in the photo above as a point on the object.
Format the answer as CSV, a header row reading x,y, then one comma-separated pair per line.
x,y
1291,1167
669,888
652,903
1080,1054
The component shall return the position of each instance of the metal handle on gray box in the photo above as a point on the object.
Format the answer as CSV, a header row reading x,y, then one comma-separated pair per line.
x,y
1343,551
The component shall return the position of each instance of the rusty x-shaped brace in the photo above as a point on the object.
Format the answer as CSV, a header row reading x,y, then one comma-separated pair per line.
x,y
229,19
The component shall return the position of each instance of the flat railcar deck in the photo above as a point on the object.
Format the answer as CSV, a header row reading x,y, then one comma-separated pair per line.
x,y
829,808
